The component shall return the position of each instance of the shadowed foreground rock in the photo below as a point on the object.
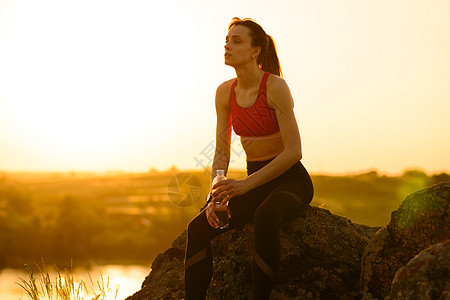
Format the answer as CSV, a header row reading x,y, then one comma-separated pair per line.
x,y
422,220
425,277
320,258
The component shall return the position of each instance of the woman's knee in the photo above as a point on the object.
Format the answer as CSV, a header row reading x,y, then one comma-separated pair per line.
x,y
277,208
265,215
197,225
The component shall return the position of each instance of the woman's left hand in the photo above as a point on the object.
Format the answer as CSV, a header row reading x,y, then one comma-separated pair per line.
x,y
230,188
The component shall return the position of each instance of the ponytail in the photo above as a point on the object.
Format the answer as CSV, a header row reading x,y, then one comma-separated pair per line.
x,y
268,58
268,61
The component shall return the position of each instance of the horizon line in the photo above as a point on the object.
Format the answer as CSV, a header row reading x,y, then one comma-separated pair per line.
x,y
175,169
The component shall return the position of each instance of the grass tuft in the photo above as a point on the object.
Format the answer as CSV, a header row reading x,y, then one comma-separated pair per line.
x,y
64,287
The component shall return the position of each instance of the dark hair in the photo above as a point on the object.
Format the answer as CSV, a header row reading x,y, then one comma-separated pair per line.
x,y
268,58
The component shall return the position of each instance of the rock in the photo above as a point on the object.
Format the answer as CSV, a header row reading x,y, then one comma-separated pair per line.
x,y
423,219
320,258
426,276
166,280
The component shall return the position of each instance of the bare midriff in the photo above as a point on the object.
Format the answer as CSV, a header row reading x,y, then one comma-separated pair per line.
x,y
260,149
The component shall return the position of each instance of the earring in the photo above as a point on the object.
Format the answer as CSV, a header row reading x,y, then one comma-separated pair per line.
x,y
253,56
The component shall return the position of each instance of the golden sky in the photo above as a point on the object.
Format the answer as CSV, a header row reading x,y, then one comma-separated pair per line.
x,y
129,85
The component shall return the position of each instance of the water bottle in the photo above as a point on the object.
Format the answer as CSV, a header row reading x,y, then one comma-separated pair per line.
x,y
221,211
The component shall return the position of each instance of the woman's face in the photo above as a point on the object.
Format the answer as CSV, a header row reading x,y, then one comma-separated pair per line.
x,y
238,47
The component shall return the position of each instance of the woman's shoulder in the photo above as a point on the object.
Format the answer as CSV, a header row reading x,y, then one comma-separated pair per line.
x,y
275,82
224,89
278,91
225,86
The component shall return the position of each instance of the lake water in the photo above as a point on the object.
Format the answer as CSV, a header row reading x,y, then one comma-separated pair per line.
x,y
128,277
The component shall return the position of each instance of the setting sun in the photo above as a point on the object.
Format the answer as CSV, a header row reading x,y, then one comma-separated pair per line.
x,y
88,91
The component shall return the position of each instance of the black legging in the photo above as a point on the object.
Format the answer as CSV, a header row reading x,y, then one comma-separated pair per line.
x,y
277,201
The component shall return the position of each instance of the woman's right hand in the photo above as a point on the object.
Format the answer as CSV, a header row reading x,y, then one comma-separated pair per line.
x,y
211,217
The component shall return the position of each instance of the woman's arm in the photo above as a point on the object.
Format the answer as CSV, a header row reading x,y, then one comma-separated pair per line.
x,y
223,141
223,129
280,98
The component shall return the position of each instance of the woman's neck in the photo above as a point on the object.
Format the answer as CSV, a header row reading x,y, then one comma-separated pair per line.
x,y
249,77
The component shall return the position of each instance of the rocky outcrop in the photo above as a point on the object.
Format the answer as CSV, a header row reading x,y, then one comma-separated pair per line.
x,y
320,258
166,280
425,277
422,220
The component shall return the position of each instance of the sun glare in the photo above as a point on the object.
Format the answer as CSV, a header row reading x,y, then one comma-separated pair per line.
x,y
109,85
90,83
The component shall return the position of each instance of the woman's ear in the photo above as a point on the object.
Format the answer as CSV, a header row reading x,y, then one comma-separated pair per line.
x,y
257,51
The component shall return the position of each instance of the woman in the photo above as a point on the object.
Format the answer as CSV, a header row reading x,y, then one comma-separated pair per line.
x,y
278,187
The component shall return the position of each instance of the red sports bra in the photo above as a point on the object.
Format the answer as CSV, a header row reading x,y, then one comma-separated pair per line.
x,y
257,120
